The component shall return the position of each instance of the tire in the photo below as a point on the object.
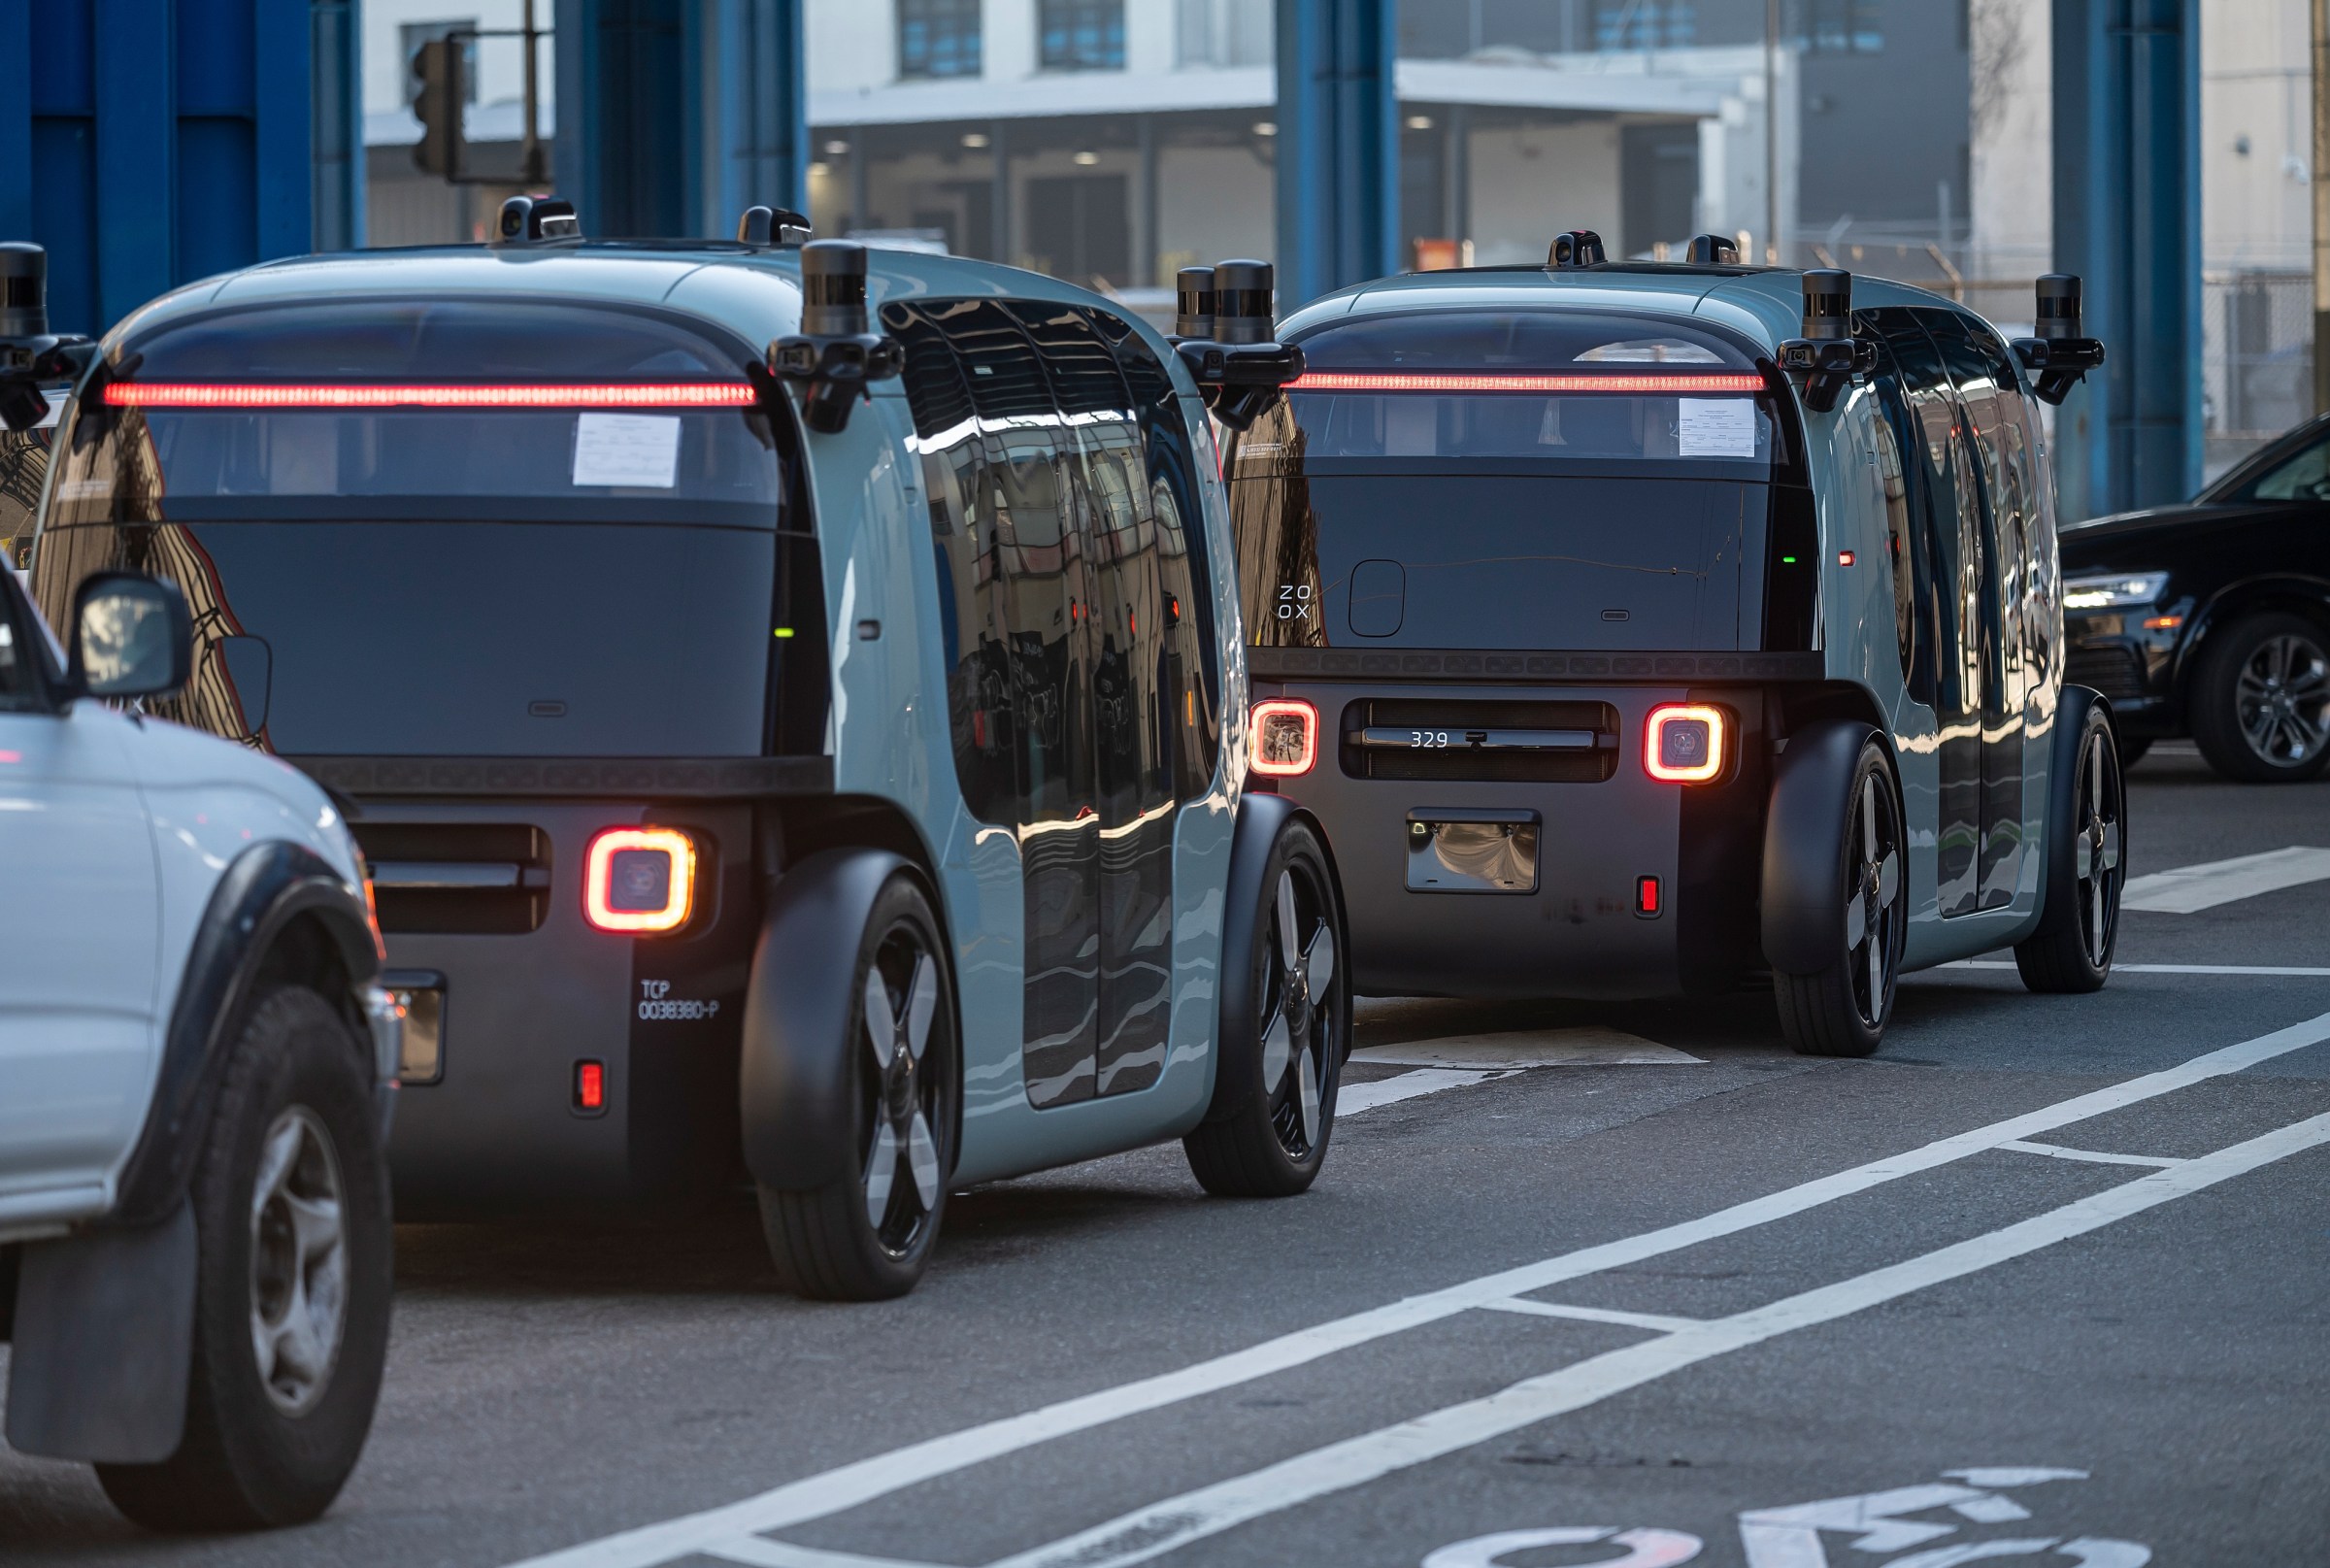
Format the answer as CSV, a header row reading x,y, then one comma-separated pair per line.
x,y
2260,699
1841,1009
294,1244
2070,954
868,1236
1268,1139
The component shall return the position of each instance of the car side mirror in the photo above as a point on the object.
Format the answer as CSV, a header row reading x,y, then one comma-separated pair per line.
x,y
132,637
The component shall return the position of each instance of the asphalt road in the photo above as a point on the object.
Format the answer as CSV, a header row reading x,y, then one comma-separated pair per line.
x,y
1775,1283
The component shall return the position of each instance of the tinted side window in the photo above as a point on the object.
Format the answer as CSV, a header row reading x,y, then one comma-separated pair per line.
x,y
1992,398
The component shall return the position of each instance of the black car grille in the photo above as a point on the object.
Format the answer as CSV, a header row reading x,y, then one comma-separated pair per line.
x,y
1488,741
478,878
2116,672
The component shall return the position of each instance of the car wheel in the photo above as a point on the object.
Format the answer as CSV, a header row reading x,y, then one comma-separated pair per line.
x,y
1271,1141
2261,700
294,1249
1841,1009
868,1235
2071,951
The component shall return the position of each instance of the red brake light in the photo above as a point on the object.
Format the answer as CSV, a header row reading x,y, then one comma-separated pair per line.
x,y
1630,382
638,880
1645,897
622,395
591,1086
1285,736
1683,742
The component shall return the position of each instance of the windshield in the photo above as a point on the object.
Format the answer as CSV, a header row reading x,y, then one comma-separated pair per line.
x,y
573,550
1524,479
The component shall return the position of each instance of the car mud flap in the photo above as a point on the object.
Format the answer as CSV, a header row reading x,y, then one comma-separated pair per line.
x,y
105,1344
797,1122
1803,893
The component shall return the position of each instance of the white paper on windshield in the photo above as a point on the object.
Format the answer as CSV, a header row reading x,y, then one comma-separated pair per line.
x,y
1715,426
639,451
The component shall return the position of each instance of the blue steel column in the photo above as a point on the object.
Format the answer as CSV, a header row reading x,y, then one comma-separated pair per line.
x,y
676,114
1338,146
337,195
148,143
2127,213
758,119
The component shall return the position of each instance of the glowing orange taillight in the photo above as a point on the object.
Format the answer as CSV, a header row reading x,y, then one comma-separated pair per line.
x,y
1285,736
1683,742
638,880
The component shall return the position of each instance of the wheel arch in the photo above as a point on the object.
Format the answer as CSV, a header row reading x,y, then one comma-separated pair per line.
x,y
2309,597
280,914
1811,780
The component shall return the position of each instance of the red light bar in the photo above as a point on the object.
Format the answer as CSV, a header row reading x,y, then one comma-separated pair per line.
x,y
632,396
1686,383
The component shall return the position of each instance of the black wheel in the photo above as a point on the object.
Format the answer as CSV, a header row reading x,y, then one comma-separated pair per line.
x,y
2261,699
1841,1009
292,1287
2079,922
868,1236
1271,1138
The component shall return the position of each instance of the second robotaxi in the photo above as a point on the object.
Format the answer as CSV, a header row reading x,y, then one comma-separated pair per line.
x,y
791,713
1644,628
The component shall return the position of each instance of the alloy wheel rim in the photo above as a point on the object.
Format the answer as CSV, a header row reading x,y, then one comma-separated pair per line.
x,y
298,1261
2282,700
1873,906
902,1169
2097,851
1300,1018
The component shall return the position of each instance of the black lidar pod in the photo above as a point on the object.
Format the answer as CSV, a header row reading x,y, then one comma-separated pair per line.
x,y
2058,306
1580,248
1827,304
1242,301
1713,250
1193,306
757,226
833,288
23,289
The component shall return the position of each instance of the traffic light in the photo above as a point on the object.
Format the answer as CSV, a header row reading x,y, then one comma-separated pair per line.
x,y
437,67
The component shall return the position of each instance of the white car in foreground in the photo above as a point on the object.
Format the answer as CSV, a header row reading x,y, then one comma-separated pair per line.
x,y
196,1071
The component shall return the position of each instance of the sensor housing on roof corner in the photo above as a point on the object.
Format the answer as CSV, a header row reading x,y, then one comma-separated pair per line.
x,y
1580,248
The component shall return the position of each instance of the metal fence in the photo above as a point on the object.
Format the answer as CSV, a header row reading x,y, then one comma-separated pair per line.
x,y
2256,360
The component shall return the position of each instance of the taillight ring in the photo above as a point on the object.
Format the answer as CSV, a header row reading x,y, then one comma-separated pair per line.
x,y
1282,737
639,880
1698,749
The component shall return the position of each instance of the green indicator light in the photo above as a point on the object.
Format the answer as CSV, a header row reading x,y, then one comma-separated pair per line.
x,y
787,631
1786,560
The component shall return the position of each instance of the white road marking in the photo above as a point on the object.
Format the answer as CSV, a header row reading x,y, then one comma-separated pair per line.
x,y
2095,1155
2189,889
759,1551
1588,1047
1356,1099
1529,1307
2263,970
1194,1516
851,1485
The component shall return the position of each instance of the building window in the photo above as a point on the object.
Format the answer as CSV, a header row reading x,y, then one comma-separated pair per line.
x,y
1080,35
1840,26
938,37
410,36
1631,24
